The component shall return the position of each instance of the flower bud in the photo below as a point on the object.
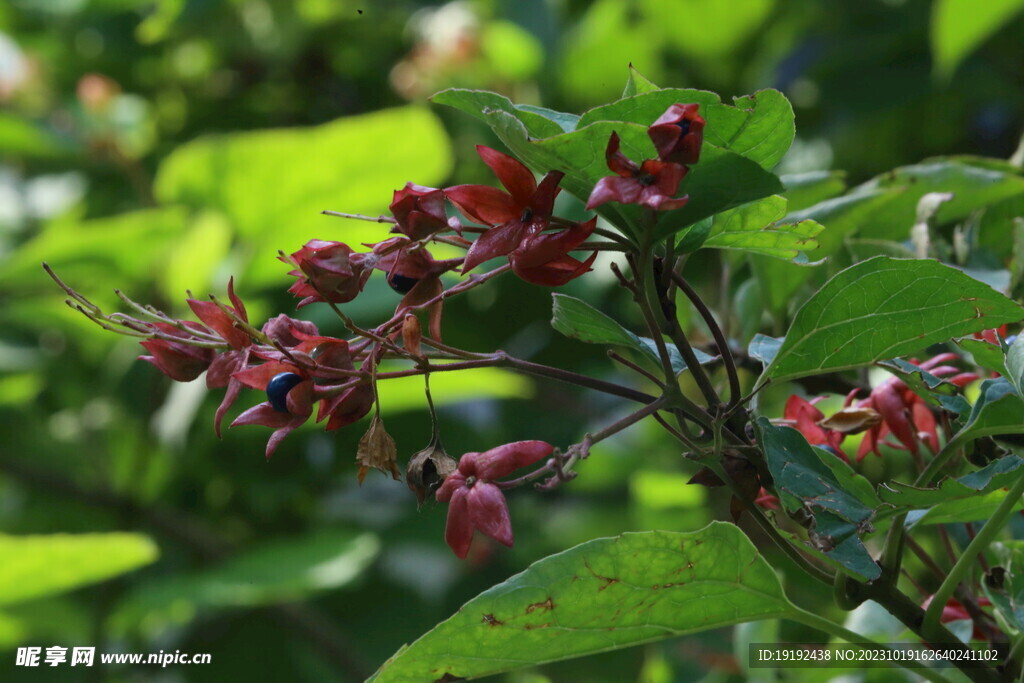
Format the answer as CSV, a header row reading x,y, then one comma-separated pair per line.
x,y
412,333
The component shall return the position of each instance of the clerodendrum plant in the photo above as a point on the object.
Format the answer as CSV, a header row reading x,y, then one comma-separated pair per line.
x,y
667,173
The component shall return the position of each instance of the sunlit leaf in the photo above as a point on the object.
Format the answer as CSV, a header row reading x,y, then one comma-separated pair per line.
x,y
602,595
884,308
281,571
577,319
37,566
960,26
758,228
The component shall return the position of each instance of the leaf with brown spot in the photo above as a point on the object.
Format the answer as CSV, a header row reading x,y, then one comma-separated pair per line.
x,y
597,591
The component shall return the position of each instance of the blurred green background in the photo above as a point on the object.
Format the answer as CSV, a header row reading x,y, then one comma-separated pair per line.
x,y
162,146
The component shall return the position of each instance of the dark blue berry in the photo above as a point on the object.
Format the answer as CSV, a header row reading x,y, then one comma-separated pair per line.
x,y
278,388
684,126
402,283
1009,340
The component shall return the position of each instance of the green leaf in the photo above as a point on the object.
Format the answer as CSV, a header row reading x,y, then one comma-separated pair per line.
x,y
603,595
720,181
973,187
805,483
281,571
972,509
802,478
883,308
21,138
273,184
760,127
960,26
996,475
637,84
756,227
922,382
121,249
998,410
565,122
577,319
987,356
1006,590
1015,364
539,122
804,190
764,348
37,566
644,108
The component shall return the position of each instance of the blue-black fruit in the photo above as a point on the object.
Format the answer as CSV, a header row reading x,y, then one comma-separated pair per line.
x,y
278,388
402,283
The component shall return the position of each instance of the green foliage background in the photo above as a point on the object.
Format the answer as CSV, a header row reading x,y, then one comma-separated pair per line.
x,y
159,146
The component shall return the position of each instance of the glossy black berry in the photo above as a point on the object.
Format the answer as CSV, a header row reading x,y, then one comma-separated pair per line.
x,y
684,126
278,388
402,283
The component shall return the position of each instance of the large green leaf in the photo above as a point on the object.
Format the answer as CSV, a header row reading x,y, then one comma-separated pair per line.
x,y
577,319
281,571
960,26
985,355
757,227
998,410
37,566
803,479
807,484
118,250
720,181
882,308
602,595
273,184
973,186
539,121
804,190
996,475
778,281
959,510
22,138
759,126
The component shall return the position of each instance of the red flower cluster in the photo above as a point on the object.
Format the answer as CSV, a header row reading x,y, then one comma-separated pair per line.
x,y
905,415
677,136
304,367
475,502
891,408
519,218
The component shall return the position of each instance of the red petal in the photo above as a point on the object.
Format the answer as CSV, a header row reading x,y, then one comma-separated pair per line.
x,y
516,178
484,204
894,411
258,376
614,189
234,388
924,421
499,241
554,273
618,162
488,512
543,201
264,414
503,460
536,250
452,483
220,322
458,533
